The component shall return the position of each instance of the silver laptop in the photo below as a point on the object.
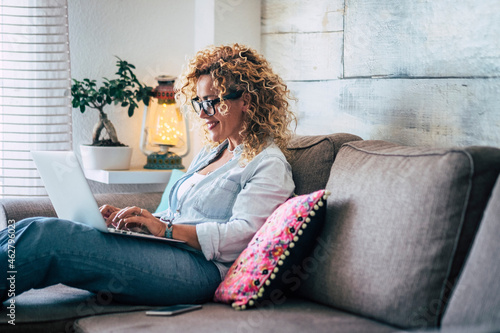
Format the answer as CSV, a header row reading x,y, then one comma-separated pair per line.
x,y
70,193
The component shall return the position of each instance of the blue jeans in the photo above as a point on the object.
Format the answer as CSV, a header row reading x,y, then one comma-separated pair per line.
x,y
49,251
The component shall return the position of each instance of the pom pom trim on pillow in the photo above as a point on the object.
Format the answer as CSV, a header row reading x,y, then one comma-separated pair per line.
x,y
278,244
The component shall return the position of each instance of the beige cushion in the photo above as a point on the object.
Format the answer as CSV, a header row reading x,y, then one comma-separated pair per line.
x,y
399,223
312,157
290,316
53,309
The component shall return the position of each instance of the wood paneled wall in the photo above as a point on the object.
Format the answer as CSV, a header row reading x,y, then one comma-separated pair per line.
x,y
415,72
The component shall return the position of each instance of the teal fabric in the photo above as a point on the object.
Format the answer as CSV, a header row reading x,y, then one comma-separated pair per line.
x,y
175,176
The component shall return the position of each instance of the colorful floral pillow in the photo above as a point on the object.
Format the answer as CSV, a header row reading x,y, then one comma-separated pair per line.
x,y
285,239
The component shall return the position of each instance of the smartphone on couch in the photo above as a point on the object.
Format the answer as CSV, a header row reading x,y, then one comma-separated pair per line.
x,y
173,309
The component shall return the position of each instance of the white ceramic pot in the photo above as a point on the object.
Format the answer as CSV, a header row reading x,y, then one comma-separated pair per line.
x,y
106,158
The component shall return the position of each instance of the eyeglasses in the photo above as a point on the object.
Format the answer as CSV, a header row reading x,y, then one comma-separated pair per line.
x,y
208,106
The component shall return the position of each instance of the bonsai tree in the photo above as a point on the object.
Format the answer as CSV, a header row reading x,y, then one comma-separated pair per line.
x,y
126,90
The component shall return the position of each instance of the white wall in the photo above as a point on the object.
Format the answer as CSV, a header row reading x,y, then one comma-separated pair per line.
x,y
154,35
412,72
227,21
425,72
157,36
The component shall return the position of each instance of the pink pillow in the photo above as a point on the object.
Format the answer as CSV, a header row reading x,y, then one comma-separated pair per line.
x,y
286,238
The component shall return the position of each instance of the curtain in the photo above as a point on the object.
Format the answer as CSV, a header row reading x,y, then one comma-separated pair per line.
x,y
35,82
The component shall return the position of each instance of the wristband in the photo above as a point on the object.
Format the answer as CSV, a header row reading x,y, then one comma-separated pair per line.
x,y
168,231
169,228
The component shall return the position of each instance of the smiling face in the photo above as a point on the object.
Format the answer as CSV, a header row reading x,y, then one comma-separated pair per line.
x,y
221,126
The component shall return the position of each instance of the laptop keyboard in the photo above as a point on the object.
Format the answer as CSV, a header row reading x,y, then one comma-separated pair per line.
x,y
128,232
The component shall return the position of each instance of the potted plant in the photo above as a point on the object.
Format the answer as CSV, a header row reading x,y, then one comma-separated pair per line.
x,y
126,90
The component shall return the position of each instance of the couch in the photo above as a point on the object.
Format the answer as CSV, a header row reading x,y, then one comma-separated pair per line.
x,y
409,243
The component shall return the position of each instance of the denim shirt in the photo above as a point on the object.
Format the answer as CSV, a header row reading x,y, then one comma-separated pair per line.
x,y
230,204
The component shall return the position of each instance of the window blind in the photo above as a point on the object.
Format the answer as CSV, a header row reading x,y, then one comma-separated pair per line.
x,y
35,84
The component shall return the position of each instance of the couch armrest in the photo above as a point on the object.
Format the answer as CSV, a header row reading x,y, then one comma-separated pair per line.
x,y
21,208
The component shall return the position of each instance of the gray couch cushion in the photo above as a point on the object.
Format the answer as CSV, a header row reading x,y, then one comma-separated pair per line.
x,y
396,220
312,157
476,298
291,316
55,308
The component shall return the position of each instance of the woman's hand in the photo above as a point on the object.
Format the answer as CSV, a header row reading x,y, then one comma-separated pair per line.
x,y
135,217
108,212
138,218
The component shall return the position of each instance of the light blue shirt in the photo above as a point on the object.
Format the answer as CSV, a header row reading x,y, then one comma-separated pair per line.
x,y
229,205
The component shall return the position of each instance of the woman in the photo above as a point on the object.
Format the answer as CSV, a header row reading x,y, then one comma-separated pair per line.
x,y
229,190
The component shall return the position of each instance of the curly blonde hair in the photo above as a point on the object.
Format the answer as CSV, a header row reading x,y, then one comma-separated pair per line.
x,y
237,67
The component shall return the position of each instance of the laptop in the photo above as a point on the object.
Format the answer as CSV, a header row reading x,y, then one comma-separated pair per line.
x,y
70,193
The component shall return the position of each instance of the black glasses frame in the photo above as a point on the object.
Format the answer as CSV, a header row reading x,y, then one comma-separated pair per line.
x,y
208,106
